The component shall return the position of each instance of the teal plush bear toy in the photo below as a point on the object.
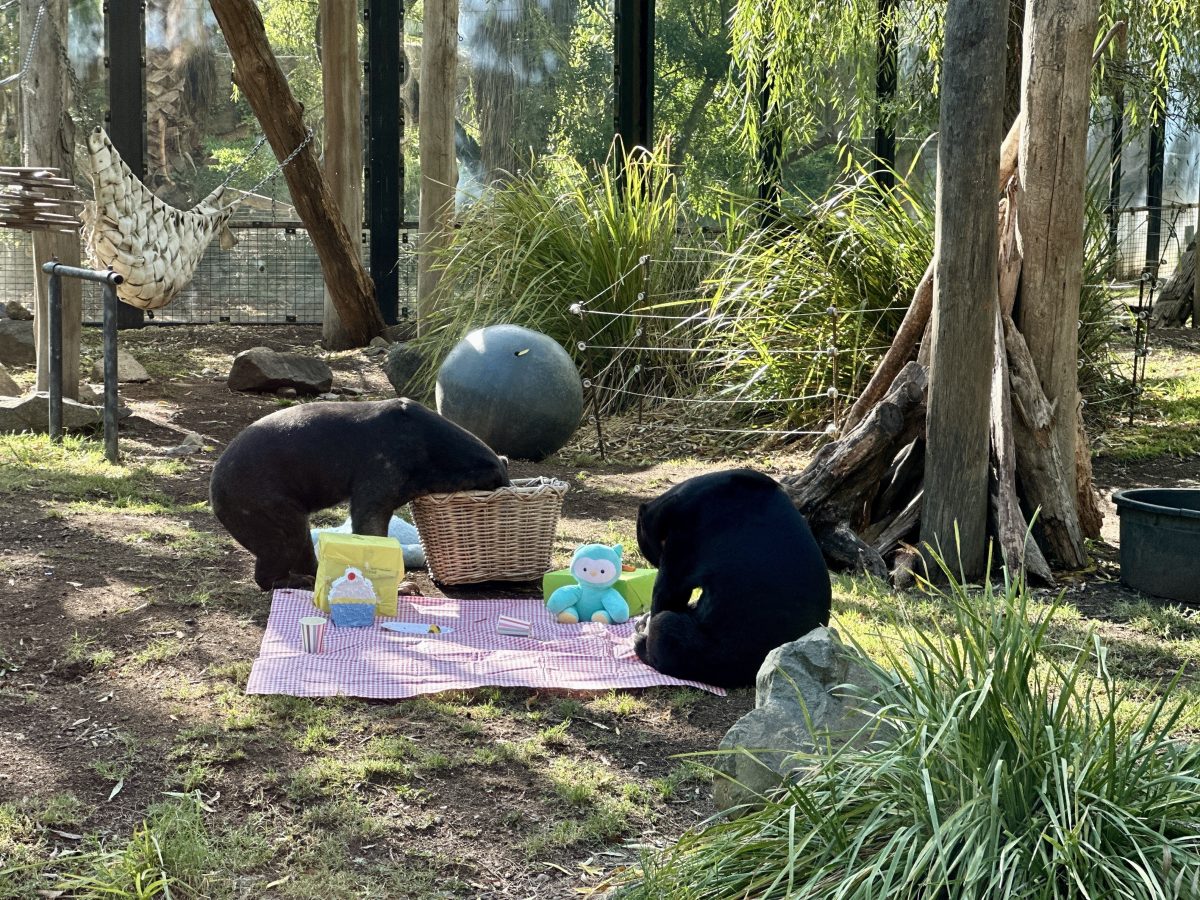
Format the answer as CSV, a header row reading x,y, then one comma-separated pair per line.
x,y
597,568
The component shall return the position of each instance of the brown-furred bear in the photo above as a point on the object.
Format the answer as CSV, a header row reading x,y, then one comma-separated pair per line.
x,y
379,455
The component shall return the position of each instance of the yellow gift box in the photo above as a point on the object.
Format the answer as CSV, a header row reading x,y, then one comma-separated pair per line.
x,y
380,559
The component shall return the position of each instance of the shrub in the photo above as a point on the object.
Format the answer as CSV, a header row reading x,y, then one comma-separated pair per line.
x,y
1014,768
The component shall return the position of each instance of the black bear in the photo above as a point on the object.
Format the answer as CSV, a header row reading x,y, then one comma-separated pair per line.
x,y
736,536
378,455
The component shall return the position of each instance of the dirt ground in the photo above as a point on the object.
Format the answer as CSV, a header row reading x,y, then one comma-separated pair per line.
x,y
129,621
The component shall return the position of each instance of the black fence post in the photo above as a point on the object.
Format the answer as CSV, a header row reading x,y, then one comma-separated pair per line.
x,y
1154,185
125,41
633,73
385,66
887,42
54,325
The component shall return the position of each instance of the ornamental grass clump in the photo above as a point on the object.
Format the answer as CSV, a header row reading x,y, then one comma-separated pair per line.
x,y
1014,766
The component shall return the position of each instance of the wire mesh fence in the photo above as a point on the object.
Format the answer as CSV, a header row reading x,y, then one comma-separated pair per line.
x,y
272,276
1178,226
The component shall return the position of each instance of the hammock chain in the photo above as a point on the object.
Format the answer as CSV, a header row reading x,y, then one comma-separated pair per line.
x,y
279,168
37,28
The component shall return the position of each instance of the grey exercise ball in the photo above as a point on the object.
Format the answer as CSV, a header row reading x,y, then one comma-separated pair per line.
x,y
516,390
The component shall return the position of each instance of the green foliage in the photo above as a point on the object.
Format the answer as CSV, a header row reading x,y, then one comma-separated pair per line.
x,y
566,234
858,250
997,764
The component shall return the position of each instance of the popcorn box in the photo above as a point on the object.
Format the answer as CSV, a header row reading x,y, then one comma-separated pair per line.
x,y
379,559
636,586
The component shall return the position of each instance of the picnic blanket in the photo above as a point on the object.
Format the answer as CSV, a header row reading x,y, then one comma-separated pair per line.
x,y
379,664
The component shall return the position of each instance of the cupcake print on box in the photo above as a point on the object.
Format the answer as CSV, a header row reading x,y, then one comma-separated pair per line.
x,y
352,600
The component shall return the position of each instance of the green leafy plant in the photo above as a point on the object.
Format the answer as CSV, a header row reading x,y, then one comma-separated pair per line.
x,y
1002,765
567,249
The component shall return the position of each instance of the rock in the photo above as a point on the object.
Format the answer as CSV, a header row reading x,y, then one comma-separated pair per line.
x,y
261,369
796,686
15,310
408,589
16,343
192,443
207,372
329,396
402,363
288,393
32,413
8,387
349,391
91,393
381,342
129,370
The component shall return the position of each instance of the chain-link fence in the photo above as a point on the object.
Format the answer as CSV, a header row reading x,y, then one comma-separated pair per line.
x,y
1178,226
272,276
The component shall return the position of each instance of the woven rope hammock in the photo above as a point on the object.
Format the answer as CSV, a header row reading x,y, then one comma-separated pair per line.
x,y
154,246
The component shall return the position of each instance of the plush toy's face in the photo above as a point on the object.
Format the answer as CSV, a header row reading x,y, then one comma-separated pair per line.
x,y
597,565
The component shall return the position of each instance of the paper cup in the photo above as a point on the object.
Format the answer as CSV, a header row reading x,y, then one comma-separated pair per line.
x,y
312,634
513,626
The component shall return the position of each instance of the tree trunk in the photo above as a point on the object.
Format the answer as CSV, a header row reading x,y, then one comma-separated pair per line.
x,y
341,84
1177,299
439,169
1012,62
48,139
954,517
1059,35
261,81
1049,480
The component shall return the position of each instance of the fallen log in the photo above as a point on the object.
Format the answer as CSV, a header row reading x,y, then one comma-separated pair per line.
x,y
835,491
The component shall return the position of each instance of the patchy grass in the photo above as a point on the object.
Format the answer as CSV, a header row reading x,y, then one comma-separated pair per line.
x,y
76,468
1167,420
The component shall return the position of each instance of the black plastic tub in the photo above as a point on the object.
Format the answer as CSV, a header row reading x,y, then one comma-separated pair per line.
x,y
1160,541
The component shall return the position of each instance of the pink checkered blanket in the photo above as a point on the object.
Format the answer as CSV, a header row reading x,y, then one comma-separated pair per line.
x,y
379,664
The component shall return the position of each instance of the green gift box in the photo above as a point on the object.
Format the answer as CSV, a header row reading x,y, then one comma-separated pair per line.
x,y
636,586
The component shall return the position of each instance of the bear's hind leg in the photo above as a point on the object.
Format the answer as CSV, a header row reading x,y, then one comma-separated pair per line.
x,y
676,645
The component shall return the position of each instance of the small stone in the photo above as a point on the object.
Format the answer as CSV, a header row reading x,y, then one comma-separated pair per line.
x,y
408,589
129,370
14,310
16,343
403,362
328,396
8,387
349,391
91,393
208,372
192,443
380,342
288,393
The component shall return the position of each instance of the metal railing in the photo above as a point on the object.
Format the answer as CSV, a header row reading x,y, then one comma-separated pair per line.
x,y
109,280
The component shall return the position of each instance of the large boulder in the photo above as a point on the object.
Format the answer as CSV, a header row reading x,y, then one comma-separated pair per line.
x,y
516,390
811,687
32,413
128,368
8,387
16,343
262,369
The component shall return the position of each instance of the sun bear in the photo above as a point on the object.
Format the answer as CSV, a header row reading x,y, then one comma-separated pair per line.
x,y
737,537
379,455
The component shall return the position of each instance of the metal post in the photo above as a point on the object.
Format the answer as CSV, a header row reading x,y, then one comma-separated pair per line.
x,y
125,34
1154,186
110,371
633,73
885,95
385,161
54,322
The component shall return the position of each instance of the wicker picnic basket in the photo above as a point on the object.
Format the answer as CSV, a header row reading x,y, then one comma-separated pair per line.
x,y
501,535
